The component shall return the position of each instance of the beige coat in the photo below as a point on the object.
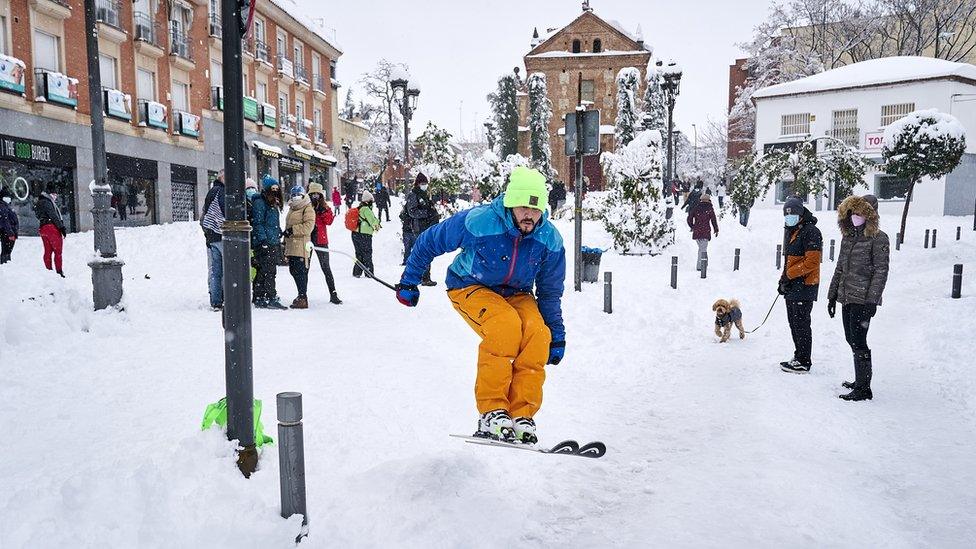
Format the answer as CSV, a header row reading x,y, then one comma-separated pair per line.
x,y
301,221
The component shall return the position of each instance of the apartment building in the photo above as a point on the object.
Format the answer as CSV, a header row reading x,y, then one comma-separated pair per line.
x,y
161,75
854,104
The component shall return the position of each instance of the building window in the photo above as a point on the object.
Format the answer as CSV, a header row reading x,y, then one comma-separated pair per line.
x,y
258,29
597,45
216,73
145,85
317,122
795,124
889,187
107,71
282,42
890,113
784,191
298,53
3,36
47,51
181,96
332,70
845,127
299,111
316,65
576,46
262,93
588,91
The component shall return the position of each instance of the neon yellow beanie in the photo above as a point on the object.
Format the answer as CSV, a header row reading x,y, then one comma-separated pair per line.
x,y
526,188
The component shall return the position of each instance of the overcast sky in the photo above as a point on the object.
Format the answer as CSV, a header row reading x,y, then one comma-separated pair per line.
x,y
456,49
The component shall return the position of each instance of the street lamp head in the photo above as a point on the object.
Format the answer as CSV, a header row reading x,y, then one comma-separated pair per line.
x,y
345,148
412,95
672,78
399,85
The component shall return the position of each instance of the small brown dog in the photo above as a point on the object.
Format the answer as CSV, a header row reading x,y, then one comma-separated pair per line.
x,y
728,313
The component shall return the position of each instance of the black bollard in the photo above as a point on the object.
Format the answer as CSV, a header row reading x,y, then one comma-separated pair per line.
x,y
958,233
898,241
674,272
735,262
704,266
927,231
957,281
779,256
607,292
935,234
831,249
291,458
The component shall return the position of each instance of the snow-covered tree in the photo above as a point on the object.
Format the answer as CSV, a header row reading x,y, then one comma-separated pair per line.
x,y
438,161
634,211
349,107
628,119
540,113
810,173
655,110
748,181
504,108
925,143
386,125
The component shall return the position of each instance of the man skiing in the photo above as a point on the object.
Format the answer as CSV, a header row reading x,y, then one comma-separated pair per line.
x,y
507,247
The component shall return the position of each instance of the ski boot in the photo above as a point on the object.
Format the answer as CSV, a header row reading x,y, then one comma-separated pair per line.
x,y
497,425
795,367
525,430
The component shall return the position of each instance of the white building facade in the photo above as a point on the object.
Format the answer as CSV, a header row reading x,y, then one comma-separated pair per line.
x,y
854,104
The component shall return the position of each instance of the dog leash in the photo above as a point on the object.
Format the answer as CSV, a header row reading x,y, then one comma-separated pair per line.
x,y
767,316
361,266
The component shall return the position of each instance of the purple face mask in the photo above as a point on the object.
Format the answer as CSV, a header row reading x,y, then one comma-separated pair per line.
x,y
857,220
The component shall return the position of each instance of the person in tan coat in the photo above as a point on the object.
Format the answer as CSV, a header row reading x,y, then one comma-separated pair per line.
x,y
298,235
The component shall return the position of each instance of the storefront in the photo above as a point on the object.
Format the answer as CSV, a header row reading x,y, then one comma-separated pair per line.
x,y
184,192
291,172
265,155
28,168
133,182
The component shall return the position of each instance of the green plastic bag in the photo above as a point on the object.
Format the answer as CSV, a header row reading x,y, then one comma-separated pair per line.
x,y
217,413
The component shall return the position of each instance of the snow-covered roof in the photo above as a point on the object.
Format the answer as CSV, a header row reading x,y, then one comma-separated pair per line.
x,y
265,146
317,26
874,72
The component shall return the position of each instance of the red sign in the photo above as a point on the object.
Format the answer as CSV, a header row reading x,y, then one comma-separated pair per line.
x,y
873,141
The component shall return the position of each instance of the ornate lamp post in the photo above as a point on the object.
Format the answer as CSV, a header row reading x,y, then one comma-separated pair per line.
x,y
406,99
670,87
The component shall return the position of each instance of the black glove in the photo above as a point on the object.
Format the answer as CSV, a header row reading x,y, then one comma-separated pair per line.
x,y
64,233
556,351
832,308
781,287
288,232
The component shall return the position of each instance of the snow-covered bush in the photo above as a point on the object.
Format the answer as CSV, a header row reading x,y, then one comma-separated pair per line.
x,y
490,173
627,123
540,113
925,143
810,173
438,161
634,212
504,108
654,108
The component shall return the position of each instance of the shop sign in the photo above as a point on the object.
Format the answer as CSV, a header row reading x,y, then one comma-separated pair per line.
x,y
270,115
61,89
268,153
250,107
153,114
873,141
300,153
290,164
118,104
32,151
11,74
189,124
789,146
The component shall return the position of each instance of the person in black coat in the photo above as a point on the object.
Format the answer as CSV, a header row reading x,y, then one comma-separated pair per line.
x,y
418,214
9,226
52,228
800,281
382,202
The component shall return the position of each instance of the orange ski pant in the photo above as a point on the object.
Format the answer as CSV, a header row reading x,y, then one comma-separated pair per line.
x,y
513,352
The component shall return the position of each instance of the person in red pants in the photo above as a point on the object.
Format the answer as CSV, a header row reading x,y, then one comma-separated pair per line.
x,y
51,229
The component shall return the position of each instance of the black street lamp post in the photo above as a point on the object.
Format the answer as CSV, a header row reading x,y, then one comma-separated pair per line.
x,y
670,87
406,99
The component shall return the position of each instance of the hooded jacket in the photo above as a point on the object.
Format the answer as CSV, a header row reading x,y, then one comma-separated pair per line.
x,y
802,246
9,224
862,265
420,211
47,212
265,222
301,221
702,219
496,255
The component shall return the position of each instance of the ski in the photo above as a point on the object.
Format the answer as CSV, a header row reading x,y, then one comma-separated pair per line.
x,y
566,447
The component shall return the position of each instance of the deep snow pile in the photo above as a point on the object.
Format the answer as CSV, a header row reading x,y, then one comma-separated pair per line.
x,y
709,444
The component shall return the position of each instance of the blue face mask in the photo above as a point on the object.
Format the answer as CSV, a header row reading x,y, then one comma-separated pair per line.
x,y
792,220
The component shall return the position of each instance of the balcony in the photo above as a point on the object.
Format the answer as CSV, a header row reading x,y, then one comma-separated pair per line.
x,y
217,98
180,52
319,137
54,87
286,69
301,77
152,115
147,35
117,104
318,84
263,56
286,124
57,9
109,12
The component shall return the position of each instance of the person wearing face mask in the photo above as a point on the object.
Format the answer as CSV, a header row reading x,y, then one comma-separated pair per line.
x,y
858,282
52,229
9,226
507,284
418,215
800,281
265,236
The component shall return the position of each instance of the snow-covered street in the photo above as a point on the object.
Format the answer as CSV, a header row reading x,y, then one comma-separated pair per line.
x,y
709,444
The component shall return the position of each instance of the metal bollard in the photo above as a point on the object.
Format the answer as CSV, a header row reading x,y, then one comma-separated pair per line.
x,y
898,241
957,281
958,232
674,272
735,262
831,249
779,256
935,234
608,292
704,266
927,231
291,458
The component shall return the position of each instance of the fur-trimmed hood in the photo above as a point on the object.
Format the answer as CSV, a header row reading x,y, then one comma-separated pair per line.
x,y
861,206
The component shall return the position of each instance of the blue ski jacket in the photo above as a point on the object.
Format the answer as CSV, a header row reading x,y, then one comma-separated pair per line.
x,y
495,254
265,223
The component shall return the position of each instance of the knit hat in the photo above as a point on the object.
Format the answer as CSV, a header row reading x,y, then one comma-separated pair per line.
x,y
316,188
297,190
267,182
793,205
420,179
250,183
367,197
872,200
526,188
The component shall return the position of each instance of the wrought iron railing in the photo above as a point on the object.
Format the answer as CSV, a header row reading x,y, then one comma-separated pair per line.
x,y
320,136
301,74
109,12
146,30
180,44
285,65
261,51
318,82
284,124
215,27
850,136
217,97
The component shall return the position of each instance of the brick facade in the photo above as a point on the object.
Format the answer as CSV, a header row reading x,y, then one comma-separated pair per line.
x,y
738,145
564,69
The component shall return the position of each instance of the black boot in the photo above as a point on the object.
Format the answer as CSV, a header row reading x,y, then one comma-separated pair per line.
x,y
335,299
862,378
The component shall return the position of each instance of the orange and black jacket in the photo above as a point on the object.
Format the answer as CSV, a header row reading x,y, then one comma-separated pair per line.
x,y
803,245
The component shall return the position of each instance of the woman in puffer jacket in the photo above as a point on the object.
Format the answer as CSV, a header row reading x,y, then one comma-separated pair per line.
x,y
858,282
298,235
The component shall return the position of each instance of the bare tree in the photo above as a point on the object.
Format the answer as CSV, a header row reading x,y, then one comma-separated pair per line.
x,y
386,124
